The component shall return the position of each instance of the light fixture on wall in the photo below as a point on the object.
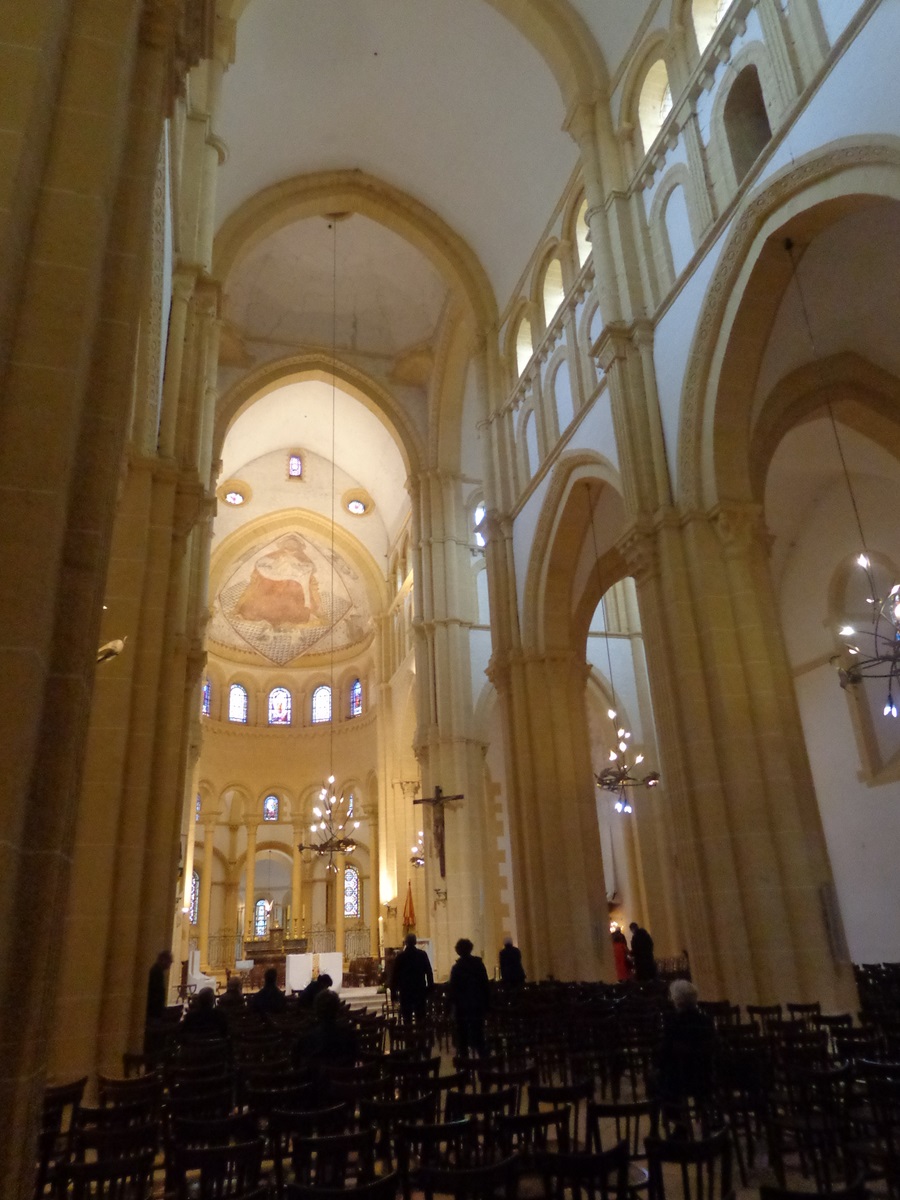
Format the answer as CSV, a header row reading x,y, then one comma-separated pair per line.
x,y
619,776
872,652
417,858
332,825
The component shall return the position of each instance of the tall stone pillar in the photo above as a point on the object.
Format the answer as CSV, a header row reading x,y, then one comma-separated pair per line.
x,y
449,753
339,922
563,915
250,883
752,867
209,847
296,885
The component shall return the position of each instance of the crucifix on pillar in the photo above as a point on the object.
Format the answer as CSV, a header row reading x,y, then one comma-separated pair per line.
x,y
437,802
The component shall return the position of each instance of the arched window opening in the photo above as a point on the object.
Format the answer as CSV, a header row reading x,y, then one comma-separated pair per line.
x,y
194,908
582,234
478,523
270,808
261,918
746,121
706,15
237,703
356,698
351,892
524,348
197,808
351,800
279,706
321,704
554,292
295,466
206,697
655,103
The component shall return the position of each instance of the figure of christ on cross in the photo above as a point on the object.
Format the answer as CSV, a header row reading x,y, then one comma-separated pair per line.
x,y
437,802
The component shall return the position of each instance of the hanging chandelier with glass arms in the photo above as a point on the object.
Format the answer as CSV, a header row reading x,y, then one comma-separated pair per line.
x,y
333,827
619,778
417,858
874,653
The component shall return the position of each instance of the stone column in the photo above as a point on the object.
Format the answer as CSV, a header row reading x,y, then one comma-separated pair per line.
x,y
209,844
752,867
250,883
339,922
296,885
557,862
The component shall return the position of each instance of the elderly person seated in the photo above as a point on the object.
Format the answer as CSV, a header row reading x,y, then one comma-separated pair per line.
x,y
685,1061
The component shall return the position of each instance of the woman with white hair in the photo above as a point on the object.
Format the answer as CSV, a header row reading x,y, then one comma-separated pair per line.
x,y
686,1058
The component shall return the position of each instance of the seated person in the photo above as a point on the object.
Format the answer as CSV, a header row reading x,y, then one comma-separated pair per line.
x,y
686,1057
203,1019
331,1038
270,999
307,997
232,999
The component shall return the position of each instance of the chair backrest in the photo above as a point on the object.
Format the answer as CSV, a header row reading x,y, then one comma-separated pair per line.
x,y
585,1176
212,1131
288,1129
100,1143
574,1095
530,1134
698,1170
117,1179
857,1192
337,1160
632,1122
216,1172
385,1188
495,1181
59,1107
136,1089
484,1107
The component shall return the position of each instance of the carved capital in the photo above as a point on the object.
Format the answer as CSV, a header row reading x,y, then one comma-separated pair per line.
x,y
613,344
640,549
740,528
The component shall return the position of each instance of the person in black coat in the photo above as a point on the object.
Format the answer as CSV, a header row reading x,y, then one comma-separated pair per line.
x,y
685,1061
642,953
512,973
157,994
469,993
270,998
412,980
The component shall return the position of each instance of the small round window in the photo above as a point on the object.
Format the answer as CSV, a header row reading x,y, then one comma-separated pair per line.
x,y
357,507
234,498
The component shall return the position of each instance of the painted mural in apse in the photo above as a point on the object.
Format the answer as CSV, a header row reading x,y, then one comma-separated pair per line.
x,y
278,601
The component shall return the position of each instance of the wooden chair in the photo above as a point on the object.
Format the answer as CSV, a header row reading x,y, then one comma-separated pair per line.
x,y
493,1181
441,1145
633,1122
856,1192
109,1142
386,1117
518,1079
484,1109
336,1160
582,1176
528,1135
697,1170
218,1172
386,1188
58,1109
576,1096
115,1179
286,1129
136,1089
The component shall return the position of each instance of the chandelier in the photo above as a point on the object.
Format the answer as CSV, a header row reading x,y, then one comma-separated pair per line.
x,y
333,826
417,858
874,652
617,778
620,779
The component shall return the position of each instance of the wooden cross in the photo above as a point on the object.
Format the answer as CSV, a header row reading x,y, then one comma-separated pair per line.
x,y
437,802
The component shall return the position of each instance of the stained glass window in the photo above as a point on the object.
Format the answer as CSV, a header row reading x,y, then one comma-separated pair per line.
x,y
350,803
237,703
479,524
207,697
295,466
351,892
270,808
321,704
356,699
279,706
261,918
195,898
197,808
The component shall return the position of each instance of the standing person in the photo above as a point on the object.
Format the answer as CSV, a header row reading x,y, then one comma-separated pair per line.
x,y
512,973
412,980
685,1059
470,995
157,994
620,955
642,952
